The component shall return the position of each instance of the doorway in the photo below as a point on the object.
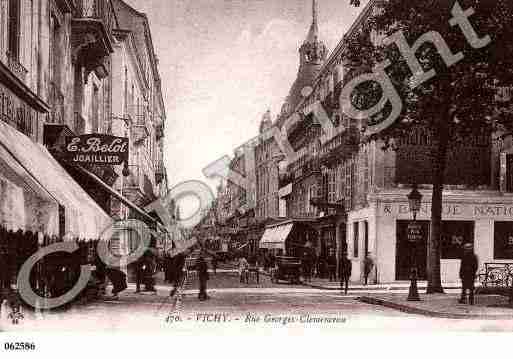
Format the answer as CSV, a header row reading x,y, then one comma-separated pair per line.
x,y
404,250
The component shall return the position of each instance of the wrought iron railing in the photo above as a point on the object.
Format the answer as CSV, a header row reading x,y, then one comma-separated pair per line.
x,y
98,9
16,67
497,275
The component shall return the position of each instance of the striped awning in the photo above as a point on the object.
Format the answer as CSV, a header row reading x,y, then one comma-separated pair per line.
x,y
275,237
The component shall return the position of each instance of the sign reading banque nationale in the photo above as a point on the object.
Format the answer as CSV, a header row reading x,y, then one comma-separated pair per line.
x,y
97,149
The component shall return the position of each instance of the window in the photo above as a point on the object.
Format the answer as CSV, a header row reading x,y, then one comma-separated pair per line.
x,y
14,28
331,185
62,221
95,108
356,236
509,173
503,240
366,237
454,235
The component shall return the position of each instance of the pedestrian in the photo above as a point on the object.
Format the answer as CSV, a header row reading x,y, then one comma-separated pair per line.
x,y
332,266
243,270
345,267
468,269
177,272
368,264
214,263
202,269
306,266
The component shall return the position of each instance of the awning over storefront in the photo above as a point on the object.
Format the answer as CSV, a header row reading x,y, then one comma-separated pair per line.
x,y
275,237
120,197
84,217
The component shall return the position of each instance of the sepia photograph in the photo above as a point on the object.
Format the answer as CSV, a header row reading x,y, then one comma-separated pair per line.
x,y
186,167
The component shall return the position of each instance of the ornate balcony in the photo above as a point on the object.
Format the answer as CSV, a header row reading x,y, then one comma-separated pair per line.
x,y
340,147
91,36
16,67
141,129
135,179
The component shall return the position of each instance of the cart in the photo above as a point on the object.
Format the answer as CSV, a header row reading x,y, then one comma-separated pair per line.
x,y
287,269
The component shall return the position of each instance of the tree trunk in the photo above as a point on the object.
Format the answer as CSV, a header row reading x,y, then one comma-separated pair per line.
x,y
434,284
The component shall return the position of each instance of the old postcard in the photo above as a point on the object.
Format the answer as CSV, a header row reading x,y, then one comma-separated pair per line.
x,y
189,166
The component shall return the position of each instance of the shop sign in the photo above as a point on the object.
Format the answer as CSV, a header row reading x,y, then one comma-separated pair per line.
x,y
97,149
17,113
414,232
451,210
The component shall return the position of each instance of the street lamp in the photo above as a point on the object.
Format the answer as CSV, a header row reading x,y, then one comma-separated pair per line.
x,y
414,201
414,235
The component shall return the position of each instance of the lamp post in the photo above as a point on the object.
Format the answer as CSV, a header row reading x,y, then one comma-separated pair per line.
x,y
414,234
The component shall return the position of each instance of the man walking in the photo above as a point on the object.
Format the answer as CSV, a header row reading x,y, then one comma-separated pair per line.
x,y
332,266
368,265
345,267
468,269
202,268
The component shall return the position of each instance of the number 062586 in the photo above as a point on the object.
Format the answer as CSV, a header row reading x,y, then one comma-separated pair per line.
x,y
19,346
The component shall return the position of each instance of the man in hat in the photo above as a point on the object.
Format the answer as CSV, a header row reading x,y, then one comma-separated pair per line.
x,y
202,268
344,269
468,269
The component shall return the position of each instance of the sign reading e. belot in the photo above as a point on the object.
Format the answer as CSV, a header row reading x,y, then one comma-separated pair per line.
x,y
97,149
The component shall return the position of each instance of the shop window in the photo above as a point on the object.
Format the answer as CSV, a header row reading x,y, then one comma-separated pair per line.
x,y
454,235
355,239
503,240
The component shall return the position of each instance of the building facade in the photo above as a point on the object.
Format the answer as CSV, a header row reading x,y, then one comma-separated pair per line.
x,y
359,190
353,193
63,67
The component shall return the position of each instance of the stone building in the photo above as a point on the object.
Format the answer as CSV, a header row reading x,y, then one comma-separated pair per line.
x,y
61,63
347,195
357,192
42,47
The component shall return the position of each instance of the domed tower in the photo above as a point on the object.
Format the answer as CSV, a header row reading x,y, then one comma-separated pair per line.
x,y
312,55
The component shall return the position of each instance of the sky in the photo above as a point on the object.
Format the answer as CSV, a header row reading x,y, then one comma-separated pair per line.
x,y
223,63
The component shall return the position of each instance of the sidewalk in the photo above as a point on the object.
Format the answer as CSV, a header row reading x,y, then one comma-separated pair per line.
x,y
491,307
319,283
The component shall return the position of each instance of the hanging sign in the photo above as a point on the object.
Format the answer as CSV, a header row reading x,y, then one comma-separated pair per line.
x,y
97,149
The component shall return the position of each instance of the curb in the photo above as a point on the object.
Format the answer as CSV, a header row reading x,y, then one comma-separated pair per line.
x,y
384,287
430,313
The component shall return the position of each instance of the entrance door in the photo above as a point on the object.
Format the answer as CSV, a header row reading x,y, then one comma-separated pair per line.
x,y
405,251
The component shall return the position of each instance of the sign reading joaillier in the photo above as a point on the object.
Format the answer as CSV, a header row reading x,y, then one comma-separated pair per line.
x,y
97,149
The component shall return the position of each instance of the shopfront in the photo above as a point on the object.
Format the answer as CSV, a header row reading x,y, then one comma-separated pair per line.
x,y
482,218
288,238
38,195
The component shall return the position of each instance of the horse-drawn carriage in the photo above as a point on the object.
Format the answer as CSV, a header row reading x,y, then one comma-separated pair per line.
x,y
287,269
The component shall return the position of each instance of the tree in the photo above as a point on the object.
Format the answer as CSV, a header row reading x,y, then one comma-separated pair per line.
x,y
458,100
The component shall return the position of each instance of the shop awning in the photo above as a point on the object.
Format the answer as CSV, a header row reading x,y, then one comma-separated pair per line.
x,y
84,217
275,237
120,197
